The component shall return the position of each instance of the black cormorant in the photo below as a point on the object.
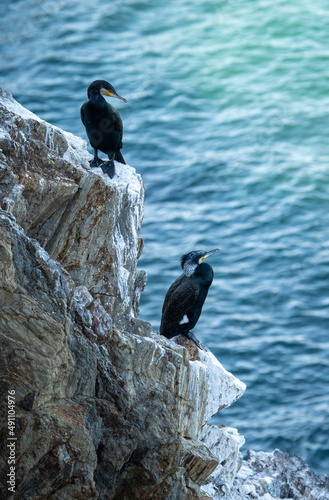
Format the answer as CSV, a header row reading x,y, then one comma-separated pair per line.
x,y
103,125
185,298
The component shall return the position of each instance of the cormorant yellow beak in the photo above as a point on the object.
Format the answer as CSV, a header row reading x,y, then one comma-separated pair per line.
x,y
112,94
206,255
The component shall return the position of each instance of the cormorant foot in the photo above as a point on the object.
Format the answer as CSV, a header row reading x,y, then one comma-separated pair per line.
x,y
95,162
108,168
191,336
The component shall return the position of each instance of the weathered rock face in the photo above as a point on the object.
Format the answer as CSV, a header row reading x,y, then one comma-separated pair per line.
x,y
269,476
87,223
105,407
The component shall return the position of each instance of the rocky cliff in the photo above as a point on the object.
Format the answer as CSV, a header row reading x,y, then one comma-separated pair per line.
x,y
96,405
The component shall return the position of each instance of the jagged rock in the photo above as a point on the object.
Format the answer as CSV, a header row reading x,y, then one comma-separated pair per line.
x,y
84,220
105,407
138,402
224,443
272,476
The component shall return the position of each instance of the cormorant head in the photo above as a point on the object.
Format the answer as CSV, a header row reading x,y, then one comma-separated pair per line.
x,y
104,88
192,260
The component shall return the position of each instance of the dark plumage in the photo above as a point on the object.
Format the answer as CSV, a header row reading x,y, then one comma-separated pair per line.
x,y
185,298
103,125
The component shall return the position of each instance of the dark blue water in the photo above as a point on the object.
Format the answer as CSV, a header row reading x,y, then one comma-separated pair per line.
x,y
227,120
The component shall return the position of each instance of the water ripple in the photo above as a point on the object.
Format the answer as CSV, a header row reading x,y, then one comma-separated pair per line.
x,y
227,121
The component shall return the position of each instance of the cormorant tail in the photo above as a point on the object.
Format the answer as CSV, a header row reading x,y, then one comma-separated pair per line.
x,y
119,157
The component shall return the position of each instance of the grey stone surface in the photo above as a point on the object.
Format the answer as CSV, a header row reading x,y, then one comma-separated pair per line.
x,y
271,476
87,222
105,407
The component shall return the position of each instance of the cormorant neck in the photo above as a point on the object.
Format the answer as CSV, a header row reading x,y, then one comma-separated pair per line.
x,y
205,274
97,99
189,269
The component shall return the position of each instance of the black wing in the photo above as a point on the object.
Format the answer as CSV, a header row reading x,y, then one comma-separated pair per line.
x,y
82,114
180,301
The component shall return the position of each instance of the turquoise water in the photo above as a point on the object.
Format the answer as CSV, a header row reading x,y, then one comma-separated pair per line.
x,y
227,121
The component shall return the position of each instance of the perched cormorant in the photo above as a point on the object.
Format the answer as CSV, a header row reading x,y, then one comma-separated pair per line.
x,y
103,125
185,298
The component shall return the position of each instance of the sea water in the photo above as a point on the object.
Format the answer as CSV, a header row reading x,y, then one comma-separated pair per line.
x,y
227,121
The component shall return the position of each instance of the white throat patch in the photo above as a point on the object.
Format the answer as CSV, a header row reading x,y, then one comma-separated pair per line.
x,y
189,269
